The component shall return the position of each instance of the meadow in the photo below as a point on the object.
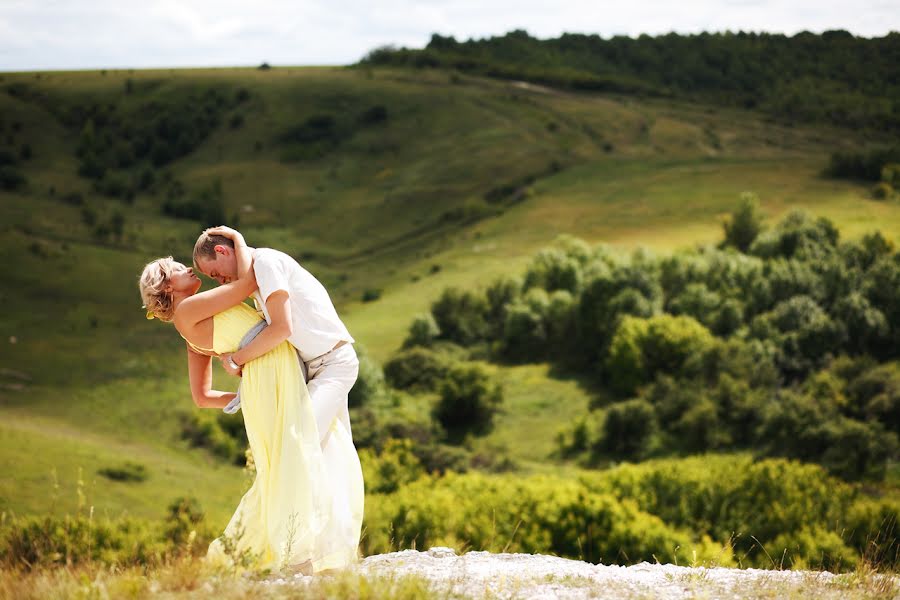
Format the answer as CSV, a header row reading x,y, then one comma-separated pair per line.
x,y
390,185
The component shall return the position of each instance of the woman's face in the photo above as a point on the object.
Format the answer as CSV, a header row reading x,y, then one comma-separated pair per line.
x,y
183,280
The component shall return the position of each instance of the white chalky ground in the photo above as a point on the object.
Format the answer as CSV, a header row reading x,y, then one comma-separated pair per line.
x,y
484,574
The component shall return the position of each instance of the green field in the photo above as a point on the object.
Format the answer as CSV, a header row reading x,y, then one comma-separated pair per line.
x,y
400,205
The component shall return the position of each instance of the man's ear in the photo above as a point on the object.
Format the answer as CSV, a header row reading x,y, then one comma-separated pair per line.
x,y
222,249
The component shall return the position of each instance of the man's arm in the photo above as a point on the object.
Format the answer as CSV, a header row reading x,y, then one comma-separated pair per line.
x,y
200,375
280,328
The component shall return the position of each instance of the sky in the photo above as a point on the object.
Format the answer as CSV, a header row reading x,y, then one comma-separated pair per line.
x,y
97,34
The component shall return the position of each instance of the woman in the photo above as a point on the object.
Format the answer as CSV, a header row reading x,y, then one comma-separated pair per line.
x,y
284,520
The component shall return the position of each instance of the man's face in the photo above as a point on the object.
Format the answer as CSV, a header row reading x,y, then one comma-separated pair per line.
x,y
223,268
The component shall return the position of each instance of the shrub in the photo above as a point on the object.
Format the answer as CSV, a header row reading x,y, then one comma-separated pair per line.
x,y
11,179
369,382
553,269
374,114
184,516
524,334
536,514
395,466
628,430
469,398
882,191
422,332
461,316
128,471
371,294
641,348
416,369
809,549
745,224
218,434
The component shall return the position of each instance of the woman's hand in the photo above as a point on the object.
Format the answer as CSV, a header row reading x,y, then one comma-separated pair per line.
x,y
227,232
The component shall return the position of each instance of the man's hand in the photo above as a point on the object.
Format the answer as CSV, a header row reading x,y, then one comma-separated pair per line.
x,y
228,365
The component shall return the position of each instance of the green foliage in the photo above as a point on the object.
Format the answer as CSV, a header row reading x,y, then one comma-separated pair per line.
x,y
371,294
417,368
461,316
469,399
855,90
628,430
869,165
641,348
127,471
11,179
223,435
537,514
184,517
800,236
745,224
422,332
369,384
206,206
396,466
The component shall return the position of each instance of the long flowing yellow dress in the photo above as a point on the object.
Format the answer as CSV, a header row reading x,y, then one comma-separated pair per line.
x,y
306,504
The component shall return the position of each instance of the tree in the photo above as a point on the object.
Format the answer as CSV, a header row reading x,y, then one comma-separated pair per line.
x,y
469,400
422,332
628,430
460,316
745,224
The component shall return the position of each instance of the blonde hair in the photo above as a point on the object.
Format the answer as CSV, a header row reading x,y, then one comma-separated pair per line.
x,y
157,301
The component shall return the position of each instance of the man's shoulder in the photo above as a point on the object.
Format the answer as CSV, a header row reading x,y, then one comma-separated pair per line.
x,y
273,258
270,255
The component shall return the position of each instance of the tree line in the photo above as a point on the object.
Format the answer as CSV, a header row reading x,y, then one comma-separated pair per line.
x,y
833,77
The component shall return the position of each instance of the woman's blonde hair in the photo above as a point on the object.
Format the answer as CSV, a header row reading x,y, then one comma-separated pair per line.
x,y
158,302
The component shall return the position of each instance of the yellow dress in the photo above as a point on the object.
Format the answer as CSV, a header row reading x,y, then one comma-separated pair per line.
x,y
298,509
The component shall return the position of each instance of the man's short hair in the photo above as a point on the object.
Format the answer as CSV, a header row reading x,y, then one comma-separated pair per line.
x,y
205,247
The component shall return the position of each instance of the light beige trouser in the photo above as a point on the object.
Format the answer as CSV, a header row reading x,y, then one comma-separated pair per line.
x,y
329,379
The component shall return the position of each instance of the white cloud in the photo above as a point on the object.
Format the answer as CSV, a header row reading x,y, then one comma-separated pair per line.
x,y
108,33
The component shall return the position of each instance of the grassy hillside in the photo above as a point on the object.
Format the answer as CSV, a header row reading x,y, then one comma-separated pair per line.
x,y
454,180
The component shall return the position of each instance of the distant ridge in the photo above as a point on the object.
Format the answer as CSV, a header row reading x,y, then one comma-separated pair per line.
x,y
830,78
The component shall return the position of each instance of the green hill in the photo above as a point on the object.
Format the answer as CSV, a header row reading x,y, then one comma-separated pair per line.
x,y
383,180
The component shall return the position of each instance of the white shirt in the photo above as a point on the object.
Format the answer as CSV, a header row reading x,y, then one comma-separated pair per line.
x,y
316,326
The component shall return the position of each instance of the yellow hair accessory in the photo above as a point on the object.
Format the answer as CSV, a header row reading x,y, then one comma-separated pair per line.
x,y
150,315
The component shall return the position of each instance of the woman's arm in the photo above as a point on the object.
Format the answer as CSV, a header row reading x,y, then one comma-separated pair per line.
x,y
241,251
200,375
206,304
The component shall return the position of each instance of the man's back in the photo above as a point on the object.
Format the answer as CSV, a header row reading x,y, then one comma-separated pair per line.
x,y
316,325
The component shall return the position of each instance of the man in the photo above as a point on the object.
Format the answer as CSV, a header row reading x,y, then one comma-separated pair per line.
x,y
298,309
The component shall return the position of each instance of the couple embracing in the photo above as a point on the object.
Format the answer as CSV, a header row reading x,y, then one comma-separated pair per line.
x,y
297,364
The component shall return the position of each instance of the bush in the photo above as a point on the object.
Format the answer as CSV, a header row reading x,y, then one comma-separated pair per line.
x,y
222,434
423,331
628,430
371,294
536,514
395,466
11,179
469,399
416,369
461,316
641,348
373,115
524,334
128,471
745,224
369,382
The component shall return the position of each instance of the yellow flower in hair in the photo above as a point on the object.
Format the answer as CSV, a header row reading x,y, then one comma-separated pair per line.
x,y
150,315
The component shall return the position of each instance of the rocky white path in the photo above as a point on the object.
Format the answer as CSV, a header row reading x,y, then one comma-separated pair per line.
x,y
487,575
